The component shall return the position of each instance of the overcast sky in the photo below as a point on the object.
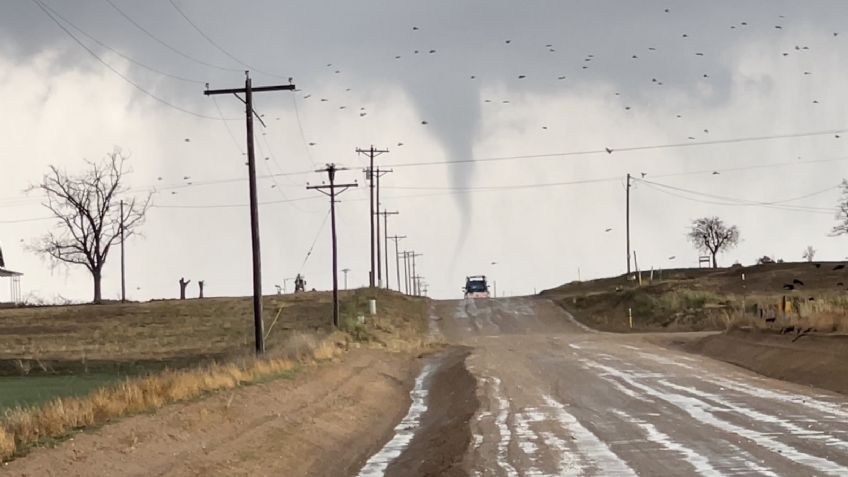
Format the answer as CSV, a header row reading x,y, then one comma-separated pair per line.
x,y
490,79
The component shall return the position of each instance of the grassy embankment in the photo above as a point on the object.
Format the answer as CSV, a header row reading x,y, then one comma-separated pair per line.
x,y
173,350
707,299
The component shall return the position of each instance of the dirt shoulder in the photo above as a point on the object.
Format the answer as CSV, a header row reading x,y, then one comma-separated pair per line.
x,y
440,444
327,420
815,360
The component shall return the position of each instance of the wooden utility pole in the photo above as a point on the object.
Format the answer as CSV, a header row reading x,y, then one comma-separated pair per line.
x,y
406,272
378,174
414,274
331,173
628,225
386,215
123,267
369,174
248,90
396,238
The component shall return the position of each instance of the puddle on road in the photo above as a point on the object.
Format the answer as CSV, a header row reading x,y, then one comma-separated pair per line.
x,y
405,430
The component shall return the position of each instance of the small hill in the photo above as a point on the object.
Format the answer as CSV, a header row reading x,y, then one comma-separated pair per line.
x,y
711,299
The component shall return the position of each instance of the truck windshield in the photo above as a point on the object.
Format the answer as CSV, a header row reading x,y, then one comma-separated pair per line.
x,y
476,286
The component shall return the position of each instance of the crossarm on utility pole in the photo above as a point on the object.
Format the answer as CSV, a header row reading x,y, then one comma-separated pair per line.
x,y
248,90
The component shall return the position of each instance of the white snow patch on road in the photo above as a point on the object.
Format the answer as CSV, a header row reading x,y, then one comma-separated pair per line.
x,y
404,431
704,413
589,445
699,462
790,427
505,436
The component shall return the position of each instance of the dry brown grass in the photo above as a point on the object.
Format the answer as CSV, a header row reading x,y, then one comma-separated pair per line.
x,y
22,428
400,326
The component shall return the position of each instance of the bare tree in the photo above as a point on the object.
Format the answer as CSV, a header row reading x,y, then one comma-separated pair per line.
x,y
88,217
711,235
841,226
809,253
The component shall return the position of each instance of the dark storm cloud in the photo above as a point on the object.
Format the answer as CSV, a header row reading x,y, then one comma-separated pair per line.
x,y
502,44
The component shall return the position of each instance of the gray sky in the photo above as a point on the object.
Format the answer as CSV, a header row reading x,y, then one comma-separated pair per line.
x,y
722,80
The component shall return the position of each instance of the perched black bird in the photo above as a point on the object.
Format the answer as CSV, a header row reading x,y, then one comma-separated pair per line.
x,y
797,282
818,265
839,267
840,284
788,286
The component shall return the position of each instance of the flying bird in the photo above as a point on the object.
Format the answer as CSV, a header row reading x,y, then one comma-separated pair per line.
x,y
507,41
424,122
521,76
608,230
672,257
187,140
609,151
644,174
715,173
415,28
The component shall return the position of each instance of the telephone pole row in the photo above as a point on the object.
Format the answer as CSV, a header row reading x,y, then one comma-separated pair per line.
x,y
248,90
331,174
386,215
371,153
378,173
397,238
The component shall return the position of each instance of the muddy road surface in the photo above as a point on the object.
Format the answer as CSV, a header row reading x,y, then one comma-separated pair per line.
x,y
556,398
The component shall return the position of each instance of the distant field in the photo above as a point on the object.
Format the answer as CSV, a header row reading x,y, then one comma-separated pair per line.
x,y
136,336
713,299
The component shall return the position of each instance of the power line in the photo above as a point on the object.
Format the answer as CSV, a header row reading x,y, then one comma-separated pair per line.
x,y
122,55
167,45
300,128
312,247
115,70
609,151
216,45
737,200
732,201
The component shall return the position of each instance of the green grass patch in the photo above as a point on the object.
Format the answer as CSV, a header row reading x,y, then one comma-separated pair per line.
x,y
31,390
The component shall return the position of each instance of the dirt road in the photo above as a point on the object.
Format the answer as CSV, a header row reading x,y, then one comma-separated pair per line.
x,y
326,421
559,399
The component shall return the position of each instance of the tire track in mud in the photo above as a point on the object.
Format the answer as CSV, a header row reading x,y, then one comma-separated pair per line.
x,y
433,438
